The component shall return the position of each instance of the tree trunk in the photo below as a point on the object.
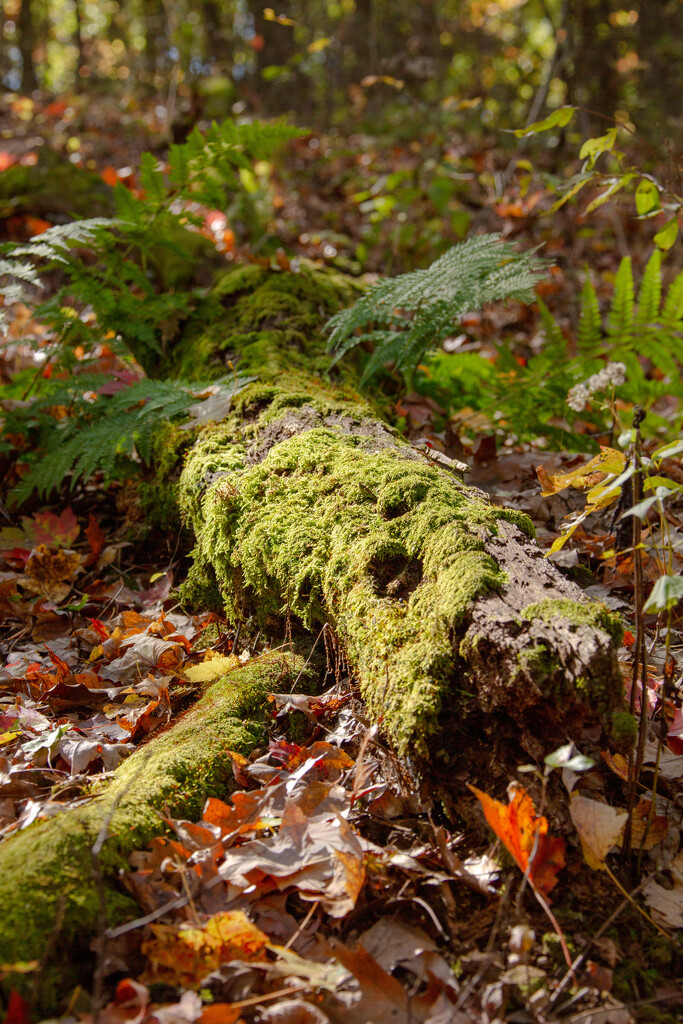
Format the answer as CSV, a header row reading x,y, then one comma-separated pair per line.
x,y
308,508
27,42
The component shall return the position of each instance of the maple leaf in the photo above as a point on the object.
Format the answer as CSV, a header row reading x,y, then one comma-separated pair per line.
x,y
54,531
525,836
186,955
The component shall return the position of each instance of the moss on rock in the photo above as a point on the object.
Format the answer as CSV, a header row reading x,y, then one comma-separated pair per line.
x,y
50,862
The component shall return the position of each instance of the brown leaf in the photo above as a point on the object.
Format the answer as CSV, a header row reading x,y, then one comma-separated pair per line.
x,y
47,570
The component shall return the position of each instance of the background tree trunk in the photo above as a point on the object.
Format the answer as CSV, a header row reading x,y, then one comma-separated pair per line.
x,y
27,42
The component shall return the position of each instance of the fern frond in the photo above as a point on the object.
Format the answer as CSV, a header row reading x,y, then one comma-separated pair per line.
x,y
408,315
589,331
52,246
620,320
672,310
650,293
111,428
54,243
553,332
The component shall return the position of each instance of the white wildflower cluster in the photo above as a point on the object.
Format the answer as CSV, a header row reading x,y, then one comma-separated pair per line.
x,y
611,376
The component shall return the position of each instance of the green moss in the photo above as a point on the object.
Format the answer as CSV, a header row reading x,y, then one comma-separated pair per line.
x,y
271,321
624,730
537,661
174,772
387,548
578,613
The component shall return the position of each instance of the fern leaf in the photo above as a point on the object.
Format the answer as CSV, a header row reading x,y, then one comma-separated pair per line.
x,y
589,332
152,179
620,322
115,427
553,331
650,293
411,314
672,311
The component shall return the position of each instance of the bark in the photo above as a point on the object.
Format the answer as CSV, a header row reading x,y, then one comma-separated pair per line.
x,y
27,42
307,507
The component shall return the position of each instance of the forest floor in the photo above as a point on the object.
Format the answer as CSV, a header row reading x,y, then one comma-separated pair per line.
x,y
430,921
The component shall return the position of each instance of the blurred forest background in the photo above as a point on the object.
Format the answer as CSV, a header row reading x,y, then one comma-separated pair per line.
x,y
410,103
313,59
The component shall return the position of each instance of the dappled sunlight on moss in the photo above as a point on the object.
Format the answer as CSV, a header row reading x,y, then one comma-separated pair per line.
x,y
306,530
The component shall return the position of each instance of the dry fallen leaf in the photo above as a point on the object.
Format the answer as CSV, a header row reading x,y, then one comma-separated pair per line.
x,y
183,956
667,904
599,826
46,572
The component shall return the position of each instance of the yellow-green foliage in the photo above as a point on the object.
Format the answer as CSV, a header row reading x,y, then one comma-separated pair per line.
x,y
51,861
385,546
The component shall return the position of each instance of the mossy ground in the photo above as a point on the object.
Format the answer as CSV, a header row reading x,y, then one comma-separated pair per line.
x,y
50,863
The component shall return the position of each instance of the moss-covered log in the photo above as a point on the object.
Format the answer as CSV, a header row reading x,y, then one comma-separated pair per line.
x,y
305,503
48,895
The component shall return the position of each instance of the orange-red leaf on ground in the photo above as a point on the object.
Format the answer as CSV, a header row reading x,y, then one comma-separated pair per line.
x,y
17,1010
53,530
219,1013
36,225
96,540
525,836
109,175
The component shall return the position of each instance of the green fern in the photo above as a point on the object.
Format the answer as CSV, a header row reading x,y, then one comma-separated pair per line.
x,y
589,331
18,267
620,323
103,429
650,293
650,329
406,316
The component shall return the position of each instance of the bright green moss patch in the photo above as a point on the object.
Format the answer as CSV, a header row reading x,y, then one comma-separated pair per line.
x,y
387,548
580,614
174,772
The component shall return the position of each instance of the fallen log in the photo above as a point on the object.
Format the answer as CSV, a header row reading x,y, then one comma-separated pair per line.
x,y
305,502
306,505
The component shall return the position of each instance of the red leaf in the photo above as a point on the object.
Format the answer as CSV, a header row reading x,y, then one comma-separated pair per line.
x,y
17,1010
525,836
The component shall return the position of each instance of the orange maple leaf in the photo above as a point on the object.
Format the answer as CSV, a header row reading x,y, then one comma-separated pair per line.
x,y
525,836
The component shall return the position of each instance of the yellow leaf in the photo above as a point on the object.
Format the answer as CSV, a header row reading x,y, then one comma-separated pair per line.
x,y
608,461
